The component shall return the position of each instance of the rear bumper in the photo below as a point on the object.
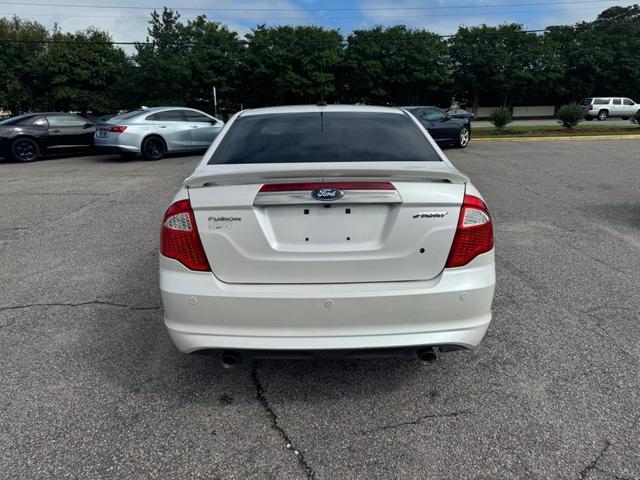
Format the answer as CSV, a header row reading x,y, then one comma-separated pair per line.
x,y
113,144
200,312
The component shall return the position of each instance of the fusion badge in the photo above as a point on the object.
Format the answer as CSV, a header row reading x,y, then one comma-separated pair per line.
x,y
222,223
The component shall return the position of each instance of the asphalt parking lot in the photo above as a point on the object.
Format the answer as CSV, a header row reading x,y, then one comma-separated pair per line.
x,y
91,386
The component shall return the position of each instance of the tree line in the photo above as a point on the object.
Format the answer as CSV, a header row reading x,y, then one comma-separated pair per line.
x,y
181,61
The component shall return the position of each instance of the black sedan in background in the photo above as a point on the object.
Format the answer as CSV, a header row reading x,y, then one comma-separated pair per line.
x,y
27,137
444,129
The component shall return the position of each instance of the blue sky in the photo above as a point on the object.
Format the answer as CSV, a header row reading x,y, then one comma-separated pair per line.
x,y
441,16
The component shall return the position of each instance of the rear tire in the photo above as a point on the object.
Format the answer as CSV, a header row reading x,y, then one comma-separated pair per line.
x,y
153,148
464,137
25,150
603,115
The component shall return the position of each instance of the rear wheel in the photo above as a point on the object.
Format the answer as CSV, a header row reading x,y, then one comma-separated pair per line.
x,y
153,148
463,137
603,115
25,150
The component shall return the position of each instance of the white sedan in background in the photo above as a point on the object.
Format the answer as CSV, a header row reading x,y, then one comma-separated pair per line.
x,y
326,229
154,132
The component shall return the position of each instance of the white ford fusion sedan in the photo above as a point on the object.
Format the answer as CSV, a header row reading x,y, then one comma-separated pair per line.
x,y
326,228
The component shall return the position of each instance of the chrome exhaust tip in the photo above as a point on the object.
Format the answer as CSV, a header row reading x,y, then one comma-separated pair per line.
x,y
427,355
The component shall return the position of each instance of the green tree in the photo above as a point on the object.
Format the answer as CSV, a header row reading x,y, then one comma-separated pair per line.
x,y
181,62
499,64
20,61
614,42
599,57
564,78
214,59
162,72
396,65
81,72
288,65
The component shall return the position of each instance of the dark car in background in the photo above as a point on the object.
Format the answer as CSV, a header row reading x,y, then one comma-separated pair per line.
x,y
460,113
26,138
444,129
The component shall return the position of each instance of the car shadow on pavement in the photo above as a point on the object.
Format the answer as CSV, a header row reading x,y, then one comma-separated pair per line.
x,y
131,349
124,342
53,156
113,158
127,346
627,214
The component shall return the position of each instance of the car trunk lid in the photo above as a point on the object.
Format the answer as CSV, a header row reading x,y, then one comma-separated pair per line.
x,y
270,223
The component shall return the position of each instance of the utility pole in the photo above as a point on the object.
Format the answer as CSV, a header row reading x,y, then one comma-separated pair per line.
x,y
215,103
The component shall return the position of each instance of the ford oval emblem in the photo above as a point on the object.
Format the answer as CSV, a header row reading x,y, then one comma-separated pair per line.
x,y
327,194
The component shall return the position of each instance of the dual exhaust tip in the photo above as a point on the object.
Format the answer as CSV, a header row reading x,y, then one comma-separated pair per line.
x,y
230,359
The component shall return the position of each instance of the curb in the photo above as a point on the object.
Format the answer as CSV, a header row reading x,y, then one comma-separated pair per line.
x,y
575,138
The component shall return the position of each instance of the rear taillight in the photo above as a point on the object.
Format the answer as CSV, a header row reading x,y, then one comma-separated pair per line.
x,y
179,238
590,107
474,234
117,129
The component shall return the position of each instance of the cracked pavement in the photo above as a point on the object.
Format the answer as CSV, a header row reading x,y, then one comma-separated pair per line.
x,y
91,386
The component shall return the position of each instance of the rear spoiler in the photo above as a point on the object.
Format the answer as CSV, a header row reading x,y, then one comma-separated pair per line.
x,y
267,173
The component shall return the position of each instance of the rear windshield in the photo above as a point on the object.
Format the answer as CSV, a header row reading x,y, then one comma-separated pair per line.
x,y
586,102
324,137
127,115
19,120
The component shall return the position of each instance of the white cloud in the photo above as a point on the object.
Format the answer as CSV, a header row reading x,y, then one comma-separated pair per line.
x,y
438,20
446,21
571,14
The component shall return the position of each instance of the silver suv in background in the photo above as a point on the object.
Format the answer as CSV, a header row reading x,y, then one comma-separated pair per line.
x,y
154,132
605,107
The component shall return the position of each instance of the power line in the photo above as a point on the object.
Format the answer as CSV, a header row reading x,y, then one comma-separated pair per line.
x,y
261,18
267,9
379,17
429,35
